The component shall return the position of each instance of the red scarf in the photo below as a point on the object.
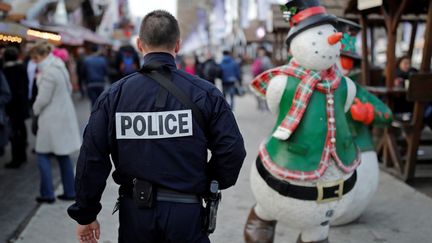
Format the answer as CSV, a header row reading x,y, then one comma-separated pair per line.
x,y
310,80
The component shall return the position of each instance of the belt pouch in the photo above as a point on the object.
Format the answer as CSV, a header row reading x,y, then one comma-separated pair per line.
x,y
144,193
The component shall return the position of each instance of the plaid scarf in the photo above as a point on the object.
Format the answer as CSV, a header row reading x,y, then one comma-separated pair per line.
x,y
310,80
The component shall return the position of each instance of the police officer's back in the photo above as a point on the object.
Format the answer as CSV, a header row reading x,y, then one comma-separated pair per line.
x,y
157,142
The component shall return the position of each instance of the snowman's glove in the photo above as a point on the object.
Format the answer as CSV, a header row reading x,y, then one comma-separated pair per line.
x,y
362,112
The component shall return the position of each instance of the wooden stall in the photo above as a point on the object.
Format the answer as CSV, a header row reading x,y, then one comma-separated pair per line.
x,y
399,144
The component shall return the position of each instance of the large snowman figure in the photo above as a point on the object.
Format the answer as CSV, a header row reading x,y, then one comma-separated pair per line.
x,y
306,172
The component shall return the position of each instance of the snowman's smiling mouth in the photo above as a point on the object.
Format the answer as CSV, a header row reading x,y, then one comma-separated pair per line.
x,y
330,57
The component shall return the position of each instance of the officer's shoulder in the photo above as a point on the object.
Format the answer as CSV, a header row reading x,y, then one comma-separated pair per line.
x,y
116,86
201,84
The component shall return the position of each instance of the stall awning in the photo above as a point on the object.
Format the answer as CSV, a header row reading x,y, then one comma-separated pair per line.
x,y
70,34
10,28
12,32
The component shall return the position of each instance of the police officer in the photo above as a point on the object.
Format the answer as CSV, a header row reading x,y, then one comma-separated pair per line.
x,y
158,145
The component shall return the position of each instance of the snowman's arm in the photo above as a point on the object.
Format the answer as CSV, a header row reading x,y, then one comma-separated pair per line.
x,y
260,83
351,94
382,113
275,91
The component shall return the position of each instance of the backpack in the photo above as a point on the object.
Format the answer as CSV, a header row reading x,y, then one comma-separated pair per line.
x,y
210,71
256,67
127,65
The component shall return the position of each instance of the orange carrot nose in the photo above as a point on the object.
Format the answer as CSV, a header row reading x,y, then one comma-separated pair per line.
x,y
335,38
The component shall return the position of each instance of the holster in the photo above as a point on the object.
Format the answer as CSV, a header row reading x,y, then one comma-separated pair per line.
x,y
212,204
144,193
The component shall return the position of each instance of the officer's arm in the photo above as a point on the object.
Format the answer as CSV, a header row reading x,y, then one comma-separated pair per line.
x,y
226,145
93,165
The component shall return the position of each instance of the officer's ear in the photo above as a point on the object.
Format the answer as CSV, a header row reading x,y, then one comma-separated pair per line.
x,y
177,46
139,45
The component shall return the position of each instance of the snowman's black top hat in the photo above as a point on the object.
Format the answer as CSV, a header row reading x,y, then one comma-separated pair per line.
x,y
305,14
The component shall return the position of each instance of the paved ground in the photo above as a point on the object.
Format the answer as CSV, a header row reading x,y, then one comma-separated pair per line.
x,y
397,213
19,188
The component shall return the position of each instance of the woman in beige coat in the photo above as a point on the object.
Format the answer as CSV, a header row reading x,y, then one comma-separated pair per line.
x,y
57,133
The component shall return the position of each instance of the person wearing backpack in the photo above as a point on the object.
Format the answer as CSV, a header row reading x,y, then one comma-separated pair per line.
x,y
127,61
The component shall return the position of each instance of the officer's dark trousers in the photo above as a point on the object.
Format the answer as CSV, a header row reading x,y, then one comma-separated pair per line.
x,y
166,222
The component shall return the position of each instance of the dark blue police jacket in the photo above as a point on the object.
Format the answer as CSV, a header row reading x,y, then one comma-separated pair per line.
x,y
164,146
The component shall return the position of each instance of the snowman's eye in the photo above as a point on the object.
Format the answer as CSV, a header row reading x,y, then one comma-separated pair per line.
x,y
319,32
313,43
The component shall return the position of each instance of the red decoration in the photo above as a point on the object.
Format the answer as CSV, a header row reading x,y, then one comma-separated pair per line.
x,y
300,16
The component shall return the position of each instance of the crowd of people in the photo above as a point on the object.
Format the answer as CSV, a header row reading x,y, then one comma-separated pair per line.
x,y
36,84
228,71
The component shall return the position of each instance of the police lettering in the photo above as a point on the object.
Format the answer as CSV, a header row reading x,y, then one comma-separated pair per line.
x,y
153,125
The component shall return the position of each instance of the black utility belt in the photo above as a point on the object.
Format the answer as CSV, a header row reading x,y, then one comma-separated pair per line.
x,y
323,192
145,194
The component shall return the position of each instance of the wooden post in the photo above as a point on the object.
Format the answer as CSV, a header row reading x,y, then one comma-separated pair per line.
x,y
427,48
365,54
412,39
392,15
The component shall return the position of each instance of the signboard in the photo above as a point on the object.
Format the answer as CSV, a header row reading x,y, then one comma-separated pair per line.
x,y
365,4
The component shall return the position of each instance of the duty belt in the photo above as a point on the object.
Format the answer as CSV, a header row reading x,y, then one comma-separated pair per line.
x,y
322,192
164,195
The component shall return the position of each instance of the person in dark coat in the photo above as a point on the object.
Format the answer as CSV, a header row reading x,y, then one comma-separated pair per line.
x,y
210,69
17,109
171,161
95,70
5,97
230,76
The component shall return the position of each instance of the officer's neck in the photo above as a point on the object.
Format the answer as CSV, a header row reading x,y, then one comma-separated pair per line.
x,y
173,53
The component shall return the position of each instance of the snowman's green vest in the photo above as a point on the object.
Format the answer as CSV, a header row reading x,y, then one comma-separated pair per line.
x,y
304,149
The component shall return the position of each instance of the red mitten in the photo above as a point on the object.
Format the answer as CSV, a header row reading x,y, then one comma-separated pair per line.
x,y
370,113
358,112
362,112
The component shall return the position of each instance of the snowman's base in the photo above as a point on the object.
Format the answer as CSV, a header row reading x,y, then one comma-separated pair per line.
x,y
258,230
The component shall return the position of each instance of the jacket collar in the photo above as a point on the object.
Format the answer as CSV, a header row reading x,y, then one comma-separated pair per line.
x,y
161,57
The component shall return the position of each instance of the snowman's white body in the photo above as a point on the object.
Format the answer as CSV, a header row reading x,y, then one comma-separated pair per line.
x,y
311,218
364,189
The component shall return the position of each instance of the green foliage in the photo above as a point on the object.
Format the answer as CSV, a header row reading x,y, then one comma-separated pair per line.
x,y
292,10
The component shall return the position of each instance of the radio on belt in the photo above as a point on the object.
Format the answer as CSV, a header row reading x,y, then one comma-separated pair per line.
x,y
154,125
